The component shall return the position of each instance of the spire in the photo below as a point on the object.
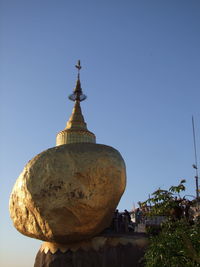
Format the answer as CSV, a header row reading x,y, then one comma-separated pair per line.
x,y
76,129
76,121
78,94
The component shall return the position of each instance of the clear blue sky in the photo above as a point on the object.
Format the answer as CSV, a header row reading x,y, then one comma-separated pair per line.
x,y
141,72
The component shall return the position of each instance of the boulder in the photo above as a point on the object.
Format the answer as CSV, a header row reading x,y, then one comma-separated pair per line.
x,y
68,193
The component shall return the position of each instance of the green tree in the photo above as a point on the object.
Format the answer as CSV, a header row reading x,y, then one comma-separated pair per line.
x,y
178,242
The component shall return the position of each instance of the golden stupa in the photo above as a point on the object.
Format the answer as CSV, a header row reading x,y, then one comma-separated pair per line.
x,y
69,192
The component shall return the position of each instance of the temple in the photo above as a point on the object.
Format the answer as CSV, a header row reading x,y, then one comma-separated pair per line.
x,y
67,196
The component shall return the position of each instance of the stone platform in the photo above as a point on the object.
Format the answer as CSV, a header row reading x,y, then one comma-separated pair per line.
x,y
101,251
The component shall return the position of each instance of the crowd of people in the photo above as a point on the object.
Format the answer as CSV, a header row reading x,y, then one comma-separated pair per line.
x,y
125,222
122,222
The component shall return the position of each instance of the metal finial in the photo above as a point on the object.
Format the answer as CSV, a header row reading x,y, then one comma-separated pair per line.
x,y
78,65
78,94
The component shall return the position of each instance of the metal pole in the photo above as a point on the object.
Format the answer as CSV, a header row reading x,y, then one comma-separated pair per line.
x,y
195,165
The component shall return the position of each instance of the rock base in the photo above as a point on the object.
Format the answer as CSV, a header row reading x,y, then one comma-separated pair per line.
x,y
97,252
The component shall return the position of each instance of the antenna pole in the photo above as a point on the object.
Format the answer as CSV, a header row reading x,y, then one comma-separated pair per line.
x,y
195,157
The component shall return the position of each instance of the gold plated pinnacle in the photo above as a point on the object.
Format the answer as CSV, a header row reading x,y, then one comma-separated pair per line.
x,y
76,129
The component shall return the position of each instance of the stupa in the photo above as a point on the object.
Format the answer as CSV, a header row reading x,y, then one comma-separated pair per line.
x,y
67,195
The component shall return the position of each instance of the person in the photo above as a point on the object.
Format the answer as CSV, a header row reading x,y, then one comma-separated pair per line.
x,y
121,222
127,214
126,221
138,216
116,221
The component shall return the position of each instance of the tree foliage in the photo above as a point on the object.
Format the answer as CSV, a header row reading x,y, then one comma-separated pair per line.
x,y
178,242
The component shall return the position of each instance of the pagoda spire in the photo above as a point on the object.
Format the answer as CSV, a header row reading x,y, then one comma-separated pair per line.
x,y
76,129
78,95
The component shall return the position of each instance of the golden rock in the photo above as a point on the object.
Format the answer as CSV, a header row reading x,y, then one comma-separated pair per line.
x,y
68,193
